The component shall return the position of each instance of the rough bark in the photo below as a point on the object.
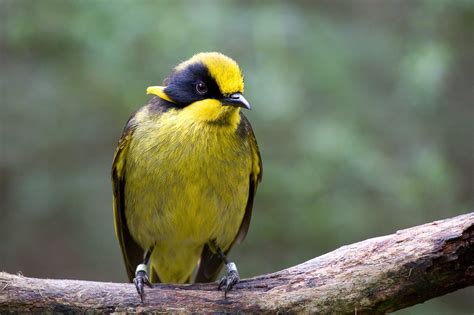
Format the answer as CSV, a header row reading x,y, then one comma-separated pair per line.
x,y
378,275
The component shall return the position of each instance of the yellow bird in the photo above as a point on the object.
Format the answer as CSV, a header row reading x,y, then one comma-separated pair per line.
x,y
185,175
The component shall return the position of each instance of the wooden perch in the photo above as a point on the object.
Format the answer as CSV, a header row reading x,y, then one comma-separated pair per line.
x,y
378,275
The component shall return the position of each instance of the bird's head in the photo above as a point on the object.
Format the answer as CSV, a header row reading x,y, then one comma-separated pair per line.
x,y
207,87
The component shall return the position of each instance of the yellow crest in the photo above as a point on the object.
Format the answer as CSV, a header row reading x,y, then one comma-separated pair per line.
x,y
224,70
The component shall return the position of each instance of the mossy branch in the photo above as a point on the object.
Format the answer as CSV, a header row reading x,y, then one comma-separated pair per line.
x,y
377,275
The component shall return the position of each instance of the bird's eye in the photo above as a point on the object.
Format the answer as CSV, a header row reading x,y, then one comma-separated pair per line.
x,y
201,88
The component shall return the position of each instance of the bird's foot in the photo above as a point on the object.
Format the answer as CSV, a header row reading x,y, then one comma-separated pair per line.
x,y
231,279
140,280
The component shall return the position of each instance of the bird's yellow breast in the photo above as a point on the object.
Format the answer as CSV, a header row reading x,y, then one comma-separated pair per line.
x,y
187,182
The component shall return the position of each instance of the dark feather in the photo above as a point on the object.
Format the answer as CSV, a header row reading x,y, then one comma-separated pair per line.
x,y
131,251
254,179
209,266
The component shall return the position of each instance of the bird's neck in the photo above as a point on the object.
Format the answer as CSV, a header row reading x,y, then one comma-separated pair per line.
x,y
212,112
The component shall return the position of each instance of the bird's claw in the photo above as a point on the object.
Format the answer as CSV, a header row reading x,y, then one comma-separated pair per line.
x,y
228,282
140,280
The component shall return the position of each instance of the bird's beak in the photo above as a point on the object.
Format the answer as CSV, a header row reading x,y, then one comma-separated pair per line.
x,y
236,100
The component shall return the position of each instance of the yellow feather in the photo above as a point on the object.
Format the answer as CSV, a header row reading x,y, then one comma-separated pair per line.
x,y
159,91
184,177
187,183
223,69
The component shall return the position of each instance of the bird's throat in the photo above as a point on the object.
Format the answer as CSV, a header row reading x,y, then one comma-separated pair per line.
x,y
212,111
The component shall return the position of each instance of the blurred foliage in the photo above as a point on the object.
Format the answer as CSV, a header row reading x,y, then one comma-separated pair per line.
x,y
363,111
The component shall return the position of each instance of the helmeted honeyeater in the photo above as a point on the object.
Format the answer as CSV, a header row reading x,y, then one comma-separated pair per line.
x,y
185,174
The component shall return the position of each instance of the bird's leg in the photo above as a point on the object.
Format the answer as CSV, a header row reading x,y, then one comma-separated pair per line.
x,y
141,275
232,277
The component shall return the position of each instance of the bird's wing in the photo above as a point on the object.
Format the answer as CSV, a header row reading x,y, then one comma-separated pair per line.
x,y
131,251
254,180
211,264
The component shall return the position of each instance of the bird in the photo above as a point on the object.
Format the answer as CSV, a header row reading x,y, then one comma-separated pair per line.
x,y
184,176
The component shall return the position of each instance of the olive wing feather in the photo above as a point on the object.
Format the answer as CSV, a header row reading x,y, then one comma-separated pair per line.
x,y
131,251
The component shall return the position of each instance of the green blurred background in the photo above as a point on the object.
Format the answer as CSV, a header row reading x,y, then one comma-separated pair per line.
x,y
363,111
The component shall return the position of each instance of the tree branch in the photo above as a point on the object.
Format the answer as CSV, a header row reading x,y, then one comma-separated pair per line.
x,y
378,275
